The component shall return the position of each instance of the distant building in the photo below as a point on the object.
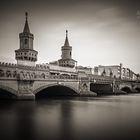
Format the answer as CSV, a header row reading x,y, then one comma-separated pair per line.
x,y
117,71
128,74
138,77
113,71
96,71
84,71
135,76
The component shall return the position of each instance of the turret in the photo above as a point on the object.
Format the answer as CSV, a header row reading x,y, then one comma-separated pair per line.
x,y
66,49
26,55
66,57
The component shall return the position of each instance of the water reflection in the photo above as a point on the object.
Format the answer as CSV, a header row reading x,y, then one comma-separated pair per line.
x,y
109,117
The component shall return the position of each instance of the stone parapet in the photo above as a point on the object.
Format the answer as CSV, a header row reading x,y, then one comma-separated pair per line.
x,y
4,64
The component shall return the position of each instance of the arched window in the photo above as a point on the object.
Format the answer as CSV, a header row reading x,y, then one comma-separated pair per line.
x,y
43,75
26,41
14,73
85,88
8,73
1,73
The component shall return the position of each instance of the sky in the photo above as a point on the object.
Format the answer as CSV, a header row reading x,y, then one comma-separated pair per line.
x,y
101,32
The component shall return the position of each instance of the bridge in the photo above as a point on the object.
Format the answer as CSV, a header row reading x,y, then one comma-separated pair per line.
x,y
24,82
27,80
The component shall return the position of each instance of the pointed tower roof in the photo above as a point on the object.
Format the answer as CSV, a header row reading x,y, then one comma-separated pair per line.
x,y
26,26
66,40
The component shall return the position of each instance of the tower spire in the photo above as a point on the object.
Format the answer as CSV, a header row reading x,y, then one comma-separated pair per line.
x,y
66,40
26,15
66,57
26,55
66,33
26,27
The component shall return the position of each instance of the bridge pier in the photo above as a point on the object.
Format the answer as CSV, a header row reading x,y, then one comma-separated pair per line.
x,y
25,91
84,89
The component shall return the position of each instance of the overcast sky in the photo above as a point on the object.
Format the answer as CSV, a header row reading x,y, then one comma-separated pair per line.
x,y
101,32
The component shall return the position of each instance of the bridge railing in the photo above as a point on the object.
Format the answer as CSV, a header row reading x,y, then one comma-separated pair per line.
x,y
28,76
42,67
63,77
7,74
5,64
102,79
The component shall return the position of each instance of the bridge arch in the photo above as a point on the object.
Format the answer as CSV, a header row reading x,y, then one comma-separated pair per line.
x,y
101,88
56,88
7,92
137,89
126,89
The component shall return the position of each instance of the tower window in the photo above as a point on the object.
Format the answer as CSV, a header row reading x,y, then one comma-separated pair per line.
x,y
26,41
70,53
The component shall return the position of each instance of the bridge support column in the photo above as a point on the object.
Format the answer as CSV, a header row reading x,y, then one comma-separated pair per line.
x,y
84,89
25,90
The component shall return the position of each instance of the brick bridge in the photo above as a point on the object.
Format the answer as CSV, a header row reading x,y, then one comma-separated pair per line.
x,y
25,82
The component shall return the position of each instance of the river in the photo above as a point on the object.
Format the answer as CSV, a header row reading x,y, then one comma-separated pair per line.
x,y
79,118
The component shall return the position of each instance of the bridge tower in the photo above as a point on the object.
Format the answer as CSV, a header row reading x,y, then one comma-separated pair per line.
x,y
66,57
26,55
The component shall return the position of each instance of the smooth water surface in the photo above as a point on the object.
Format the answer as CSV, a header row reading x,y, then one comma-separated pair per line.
x,y
79,118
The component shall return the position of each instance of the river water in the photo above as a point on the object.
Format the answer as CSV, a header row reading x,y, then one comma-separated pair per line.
x,y
79,118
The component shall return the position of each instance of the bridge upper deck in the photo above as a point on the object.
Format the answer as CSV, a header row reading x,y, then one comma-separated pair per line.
x,y
43,72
